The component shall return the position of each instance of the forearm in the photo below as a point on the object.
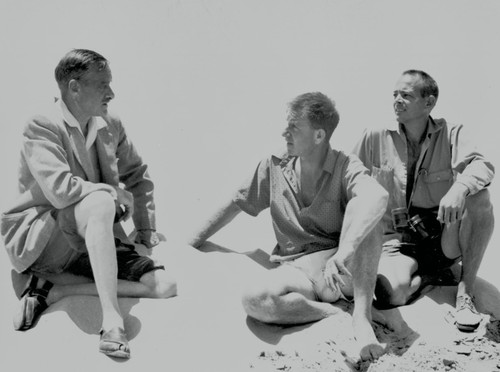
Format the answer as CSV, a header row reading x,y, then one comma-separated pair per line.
x,y
221,218
361,216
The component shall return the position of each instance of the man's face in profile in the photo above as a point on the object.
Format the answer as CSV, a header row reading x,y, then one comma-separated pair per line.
x,y
95,92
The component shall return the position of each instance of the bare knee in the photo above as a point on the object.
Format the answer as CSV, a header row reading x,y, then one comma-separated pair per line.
x,y
160,284
388,295
479,205
98,205
261,304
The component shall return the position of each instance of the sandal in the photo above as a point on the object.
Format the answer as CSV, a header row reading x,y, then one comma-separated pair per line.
x,y
32,304
467,318
114,343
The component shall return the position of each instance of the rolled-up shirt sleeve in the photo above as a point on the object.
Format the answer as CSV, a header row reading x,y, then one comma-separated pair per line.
x,y
470,166
254,194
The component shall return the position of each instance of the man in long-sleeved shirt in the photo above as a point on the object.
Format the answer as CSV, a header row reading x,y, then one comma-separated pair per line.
x,y
437,179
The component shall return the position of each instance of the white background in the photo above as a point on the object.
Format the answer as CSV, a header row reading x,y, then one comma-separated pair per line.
x,y
202,85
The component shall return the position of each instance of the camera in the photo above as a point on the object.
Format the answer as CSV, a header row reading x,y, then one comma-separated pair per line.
x,y
421,227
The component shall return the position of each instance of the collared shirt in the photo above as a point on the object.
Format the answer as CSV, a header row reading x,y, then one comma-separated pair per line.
x,y
93,126
447,156
301,229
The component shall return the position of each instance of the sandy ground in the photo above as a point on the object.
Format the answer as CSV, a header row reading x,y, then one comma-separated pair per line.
x,y
206,329
201,86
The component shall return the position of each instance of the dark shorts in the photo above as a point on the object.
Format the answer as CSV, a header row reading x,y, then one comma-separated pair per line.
x,y
429,255
427,251
66,252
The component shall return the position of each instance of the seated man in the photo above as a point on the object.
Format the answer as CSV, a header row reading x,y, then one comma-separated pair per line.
x,y
325,208
63,226
439,211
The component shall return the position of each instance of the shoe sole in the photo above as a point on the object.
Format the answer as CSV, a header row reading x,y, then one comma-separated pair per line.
x,y
116,354
19,320
466,328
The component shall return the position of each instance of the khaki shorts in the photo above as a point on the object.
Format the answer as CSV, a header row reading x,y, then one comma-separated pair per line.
x,y
313,266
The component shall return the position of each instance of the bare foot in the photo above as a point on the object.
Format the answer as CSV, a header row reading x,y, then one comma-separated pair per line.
x,y
367,343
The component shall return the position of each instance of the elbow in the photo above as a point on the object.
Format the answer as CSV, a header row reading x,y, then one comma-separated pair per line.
x,y
381,198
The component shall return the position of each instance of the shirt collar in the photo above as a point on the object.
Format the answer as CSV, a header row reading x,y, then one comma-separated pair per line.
x,y
93,126
432,126
328,165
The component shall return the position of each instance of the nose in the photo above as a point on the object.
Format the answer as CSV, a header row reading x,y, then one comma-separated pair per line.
x,y
110,93
285,133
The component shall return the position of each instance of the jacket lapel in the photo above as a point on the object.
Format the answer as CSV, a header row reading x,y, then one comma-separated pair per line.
x,y
80,151
106,153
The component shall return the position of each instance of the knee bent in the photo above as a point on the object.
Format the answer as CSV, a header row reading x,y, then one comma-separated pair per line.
x,y
261,305
479,204
387,296
99,203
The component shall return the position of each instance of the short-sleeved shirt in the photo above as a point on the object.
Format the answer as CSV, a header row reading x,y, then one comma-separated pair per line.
x,y
447,156
301,229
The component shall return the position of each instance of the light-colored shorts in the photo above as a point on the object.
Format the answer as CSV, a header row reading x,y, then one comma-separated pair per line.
x,y
313,266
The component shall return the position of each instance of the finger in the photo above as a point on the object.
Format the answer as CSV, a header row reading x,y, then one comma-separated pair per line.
x,y
338,279
345,271
440,215
446,217
328,278
453,216
128,213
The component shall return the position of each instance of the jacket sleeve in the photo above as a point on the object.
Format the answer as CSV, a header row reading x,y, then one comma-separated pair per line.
x,y
133,173
46,160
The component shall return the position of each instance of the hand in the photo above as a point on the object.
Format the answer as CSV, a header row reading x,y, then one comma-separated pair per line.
x,y
452,205
336,266
124,201
147,237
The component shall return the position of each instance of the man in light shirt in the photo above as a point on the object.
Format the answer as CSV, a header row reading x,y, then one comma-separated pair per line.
x,y
439,208
325,209
63,228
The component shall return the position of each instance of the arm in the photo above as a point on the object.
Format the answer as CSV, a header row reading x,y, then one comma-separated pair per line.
x,y
363,212
134,175
220,219
252,197
365,208
473,173
46,158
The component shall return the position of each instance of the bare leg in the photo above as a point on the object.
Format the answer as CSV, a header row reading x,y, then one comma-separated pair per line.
x,y
396,280
285,296
473,233
155,284
469,238
364,272
94,217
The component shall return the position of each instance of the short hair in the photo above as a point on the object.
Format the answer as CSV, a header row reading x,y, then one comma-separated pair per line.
x,y
429,85
318,109
77,63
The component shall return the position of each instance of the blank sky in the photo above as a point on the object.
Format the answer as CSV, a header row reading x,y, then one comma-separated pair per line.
x,y
202,85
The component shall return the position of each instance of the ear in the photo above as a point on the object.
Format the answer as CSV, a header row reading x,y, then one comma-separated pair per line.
x,y
73,86
319,136
430,102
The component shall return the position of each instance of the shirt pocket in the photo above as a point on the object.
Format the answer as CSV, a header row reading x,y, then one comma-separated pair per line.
x,y
437,184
